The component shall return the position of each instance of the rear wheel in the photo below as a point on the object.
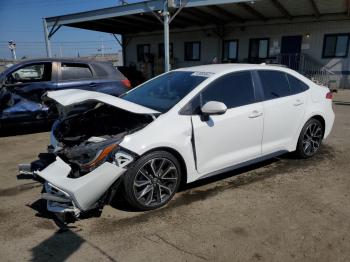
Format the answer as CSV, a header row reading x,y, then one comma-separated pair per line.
x,y
152,181
310,138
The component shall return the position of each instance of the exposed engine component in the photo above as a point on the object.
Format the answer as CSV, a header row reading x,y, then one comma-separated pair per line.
x,y
102,121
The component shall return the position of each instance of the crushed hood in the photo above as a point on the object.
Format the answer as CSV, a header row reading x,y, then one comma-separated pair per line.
x,y
70,97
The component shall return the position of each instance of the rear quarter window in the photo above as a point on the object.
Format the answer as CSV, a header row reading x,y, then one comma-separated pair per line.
x,y
296,86
275,84
104,70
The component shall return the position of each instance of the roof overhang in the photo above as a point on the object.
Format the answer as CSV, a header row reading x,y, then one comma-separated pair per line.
x,y
144,16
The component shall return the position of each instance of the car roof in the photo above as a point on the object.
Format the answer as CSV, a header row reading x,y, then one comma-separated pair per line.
x,y
220,68
102,68
67,60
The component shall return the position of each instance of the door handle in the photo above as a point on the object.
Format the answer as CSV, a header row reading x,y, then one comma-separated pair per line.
x,y
255,114
92,84
298,102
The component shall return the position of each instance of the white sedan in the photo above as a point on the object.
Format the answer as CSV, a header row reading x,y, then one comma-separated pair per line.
x,y
179,127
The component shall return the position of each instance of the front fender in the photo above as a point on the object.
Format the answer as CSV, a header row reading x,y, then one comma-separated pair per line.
x,y
174,132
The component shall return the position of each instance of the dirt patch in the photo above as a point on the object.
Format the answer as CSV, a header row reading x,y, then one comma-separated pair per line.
x,y
13,191
46,224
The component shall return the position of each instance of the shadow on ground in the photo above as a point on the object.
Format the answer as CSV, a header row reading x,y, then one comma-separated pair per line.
x,y
342,103
237,178
61,245
13,191
21,129
196,192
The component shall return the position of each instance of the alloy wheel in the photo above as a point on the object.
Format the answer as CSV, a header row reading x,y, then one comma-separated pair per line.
x,y
155,182
312,138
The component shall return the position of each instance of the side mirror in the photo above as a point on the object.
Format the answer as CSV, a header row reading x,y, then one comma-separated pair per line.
x,y
213,108
8,80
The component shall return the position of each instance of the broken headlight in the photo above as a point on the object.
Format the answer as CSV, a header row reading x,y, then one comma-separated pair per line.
x,y
100,157
87,157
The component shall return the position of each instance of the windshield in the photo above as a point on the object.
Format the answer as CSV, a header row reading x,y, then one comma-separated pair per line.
x,y
163,92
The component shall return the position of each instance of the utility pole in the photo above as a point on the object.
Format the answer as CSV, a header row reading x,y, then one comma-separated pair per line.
x,y
102,48
61,50
12,47
166,37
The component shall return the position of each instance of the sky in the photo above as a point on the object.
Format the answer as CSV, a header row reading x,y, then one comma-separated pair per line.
x,y
21,21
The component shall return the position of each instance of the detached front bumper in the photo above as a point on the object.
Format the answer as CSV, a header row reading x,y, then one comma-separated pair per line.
x,y
65,194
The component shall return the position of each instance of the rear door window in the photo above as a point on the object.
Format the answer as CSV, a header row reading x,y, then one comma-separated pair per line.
x,y
74,71
296,86
274,83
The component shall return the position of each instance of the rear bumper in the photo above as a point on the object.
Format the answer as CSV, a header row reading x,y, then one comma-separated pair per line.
x,y
77,194
329,124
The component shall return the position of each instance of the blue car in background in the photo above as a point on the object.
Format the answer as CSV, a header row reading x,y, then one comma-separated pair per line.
x,y
23,85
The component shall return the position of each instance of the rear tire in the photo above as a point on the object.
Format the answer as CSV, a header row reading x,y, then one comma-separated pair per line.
x,y
152,181
310,139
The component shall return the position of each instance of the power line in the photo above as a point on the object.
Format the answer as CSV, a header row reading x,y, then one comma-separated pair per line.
x,y
59,42
46,3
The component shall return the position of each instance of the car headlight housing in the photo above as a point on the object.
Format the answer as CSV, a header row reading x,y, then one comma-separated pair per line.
x,y
87,157
100,157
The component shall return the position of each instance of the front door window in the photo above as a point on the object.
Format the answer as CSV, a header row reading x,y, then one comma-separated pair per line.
x,y
30,73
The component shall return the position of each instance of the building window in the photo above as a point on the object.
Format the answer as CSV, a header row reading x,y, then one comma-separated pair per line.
x,y
192,51
143,52
230,50
161,50
335,45
258,49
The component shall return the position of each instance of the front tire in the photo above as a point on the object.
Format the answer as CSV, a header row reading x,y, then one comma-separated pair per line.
x,y
310,139
152,181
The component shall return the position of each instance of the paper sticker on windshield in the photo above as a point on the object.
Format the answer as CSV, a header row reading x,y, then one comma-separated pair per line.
x,y
204,74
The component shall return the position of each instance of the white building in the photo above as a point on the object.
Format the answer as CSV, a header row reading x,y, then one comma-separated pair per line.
x,y
311,36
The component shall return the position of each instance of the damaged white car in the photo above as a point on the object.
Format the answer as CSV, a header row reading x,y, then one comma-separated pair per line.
x,y
178,127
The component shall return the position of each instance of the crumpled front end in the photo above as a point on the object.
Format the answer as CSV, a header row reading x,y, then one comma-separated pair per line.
x,y
83,166
74,195
71,183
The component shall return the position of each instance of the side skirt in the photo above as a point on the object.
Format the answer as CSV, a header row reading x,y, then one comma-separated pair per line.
x,y
243,164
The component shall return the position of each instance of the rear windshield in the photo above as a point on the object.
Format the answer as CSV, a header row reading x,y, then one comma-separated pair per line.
x,y
163,92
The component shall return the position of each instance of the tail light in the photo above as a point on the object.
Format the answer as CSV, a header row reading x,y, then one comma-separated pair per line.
x,y
329,95
126,83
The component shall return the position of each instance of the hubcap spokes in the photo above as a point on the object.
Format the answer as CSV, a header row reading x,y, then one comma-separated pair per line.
x,y
155,181
312,139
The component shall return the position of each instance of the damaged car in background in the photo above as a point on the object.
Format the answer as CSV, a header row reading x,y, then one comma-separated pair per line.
x,y
23,84
181,126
